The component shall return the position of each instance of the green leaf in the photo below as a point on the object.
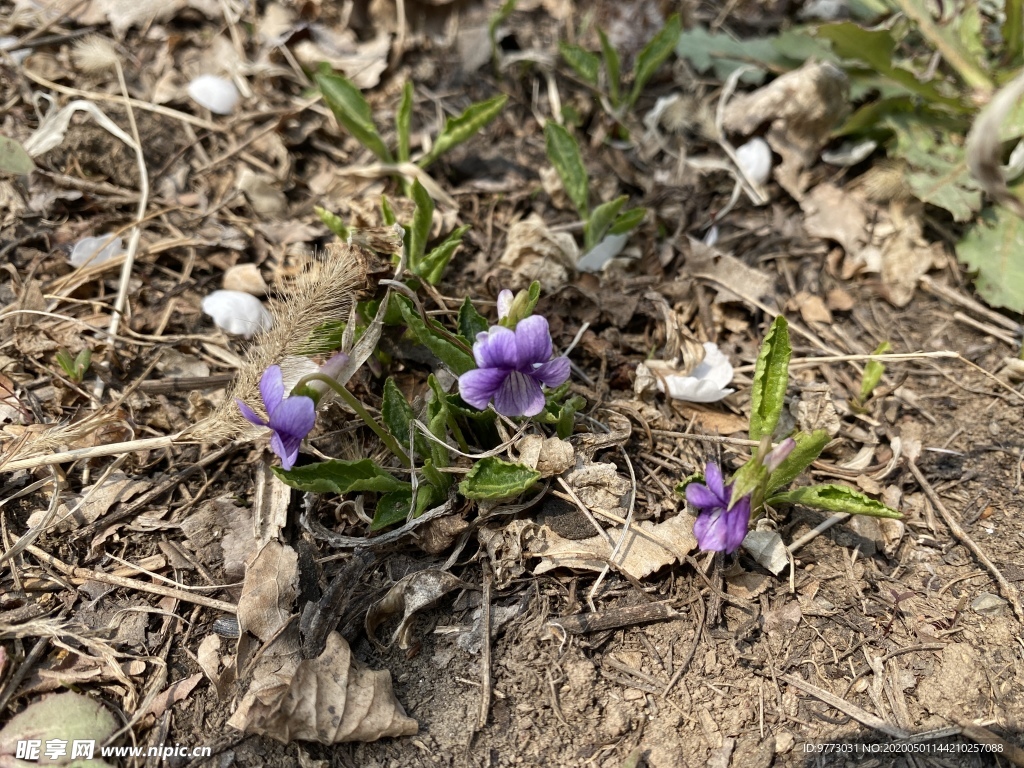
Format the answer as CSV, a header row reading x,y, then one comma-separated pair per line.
x,y
433,339
722,54
391,508
492,28
398,415
470,321
13,158
333,222
434,477
1013,31
438,420
612,68
835,498
876,48
808,447
434,264
353,112
492,478
938,172
66,363
628,221
387,213
584,62
600,221
653,55
403,122
873,372
419,232
459,129
992,248
771,377
338,476
564,154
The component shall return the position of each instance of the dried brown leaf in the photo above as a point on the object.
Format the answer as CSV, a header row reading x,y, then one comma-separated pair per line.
x,y
411,594
269,591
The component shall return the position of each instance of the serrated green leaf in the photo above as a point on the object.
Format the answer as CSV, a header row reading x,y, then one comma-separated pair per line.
x,y
992,248
584,62
333,222
938,172
353,112
600,221
808,448
398,415
470,321
13,158
654,54
419,232
433,339
338,476
722,54
465,126
564,154
612,68
493,479
628,221
873,372
771,377
403,122
393,508
835,498
436,262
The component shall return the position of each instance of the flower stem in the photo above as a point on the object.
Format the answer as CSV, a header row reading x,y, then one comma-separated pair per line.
x,y
353,402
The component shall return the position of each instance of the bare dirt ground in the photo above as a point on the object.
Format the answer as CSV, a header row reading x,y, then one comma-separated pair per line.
x,y
879,629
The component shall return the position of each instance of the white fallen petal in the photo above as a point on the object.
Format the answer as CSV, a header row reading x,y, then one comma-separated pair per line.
x,y
90,251
610,247
217,94
237,313
755,160
707,383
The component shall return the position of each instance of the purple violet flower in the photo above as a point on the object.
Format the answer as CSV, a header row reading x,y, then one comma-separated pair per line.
x,y
512,366
717,527
289,418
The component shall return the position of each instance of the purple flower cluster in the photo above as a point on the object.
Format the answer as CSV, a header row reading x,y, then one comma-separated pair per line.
x,y
511,367
290,419
717,527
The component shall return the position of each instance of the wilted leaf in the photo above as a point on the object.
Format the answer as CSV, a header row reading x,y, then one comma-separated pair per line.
x,y
269,590
992,248
492,478
411,594
768,549
173,693
331,699
66,717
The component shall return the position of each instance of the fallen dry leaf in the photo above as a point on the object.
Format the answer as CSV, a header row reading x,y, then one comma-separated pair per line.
x,y
174,693
534,252
727,272
641,554
548,455
331,699
269,591
411,594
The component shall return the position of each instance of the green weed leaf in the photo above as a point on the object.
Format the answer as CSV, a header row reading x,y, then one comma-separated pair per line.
x,y
434,264
419,232
612,68
433,339
403,122
338,476
470,321
353,112
771,377
601,220
564,154
397,415
653,55
492,479
333,222
628,221
992,248
809,446
836,498
873,372
459,129
586,64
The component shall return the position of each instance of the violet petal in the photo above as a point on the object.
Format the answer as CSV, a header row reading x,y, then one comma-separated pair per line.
x,y
249,414
702,497
553,373
272,388
497,349
294,417
478,387
286,447
716,483
533,340
519,395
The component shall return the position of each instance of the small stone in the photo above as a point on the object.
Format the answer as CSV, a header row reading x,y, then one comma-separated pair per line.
x,y
988,604
784,741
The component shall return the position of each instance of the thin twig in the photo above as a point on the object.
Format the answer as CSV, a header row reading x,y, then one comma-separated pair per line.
x,y
1005,587
485,647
